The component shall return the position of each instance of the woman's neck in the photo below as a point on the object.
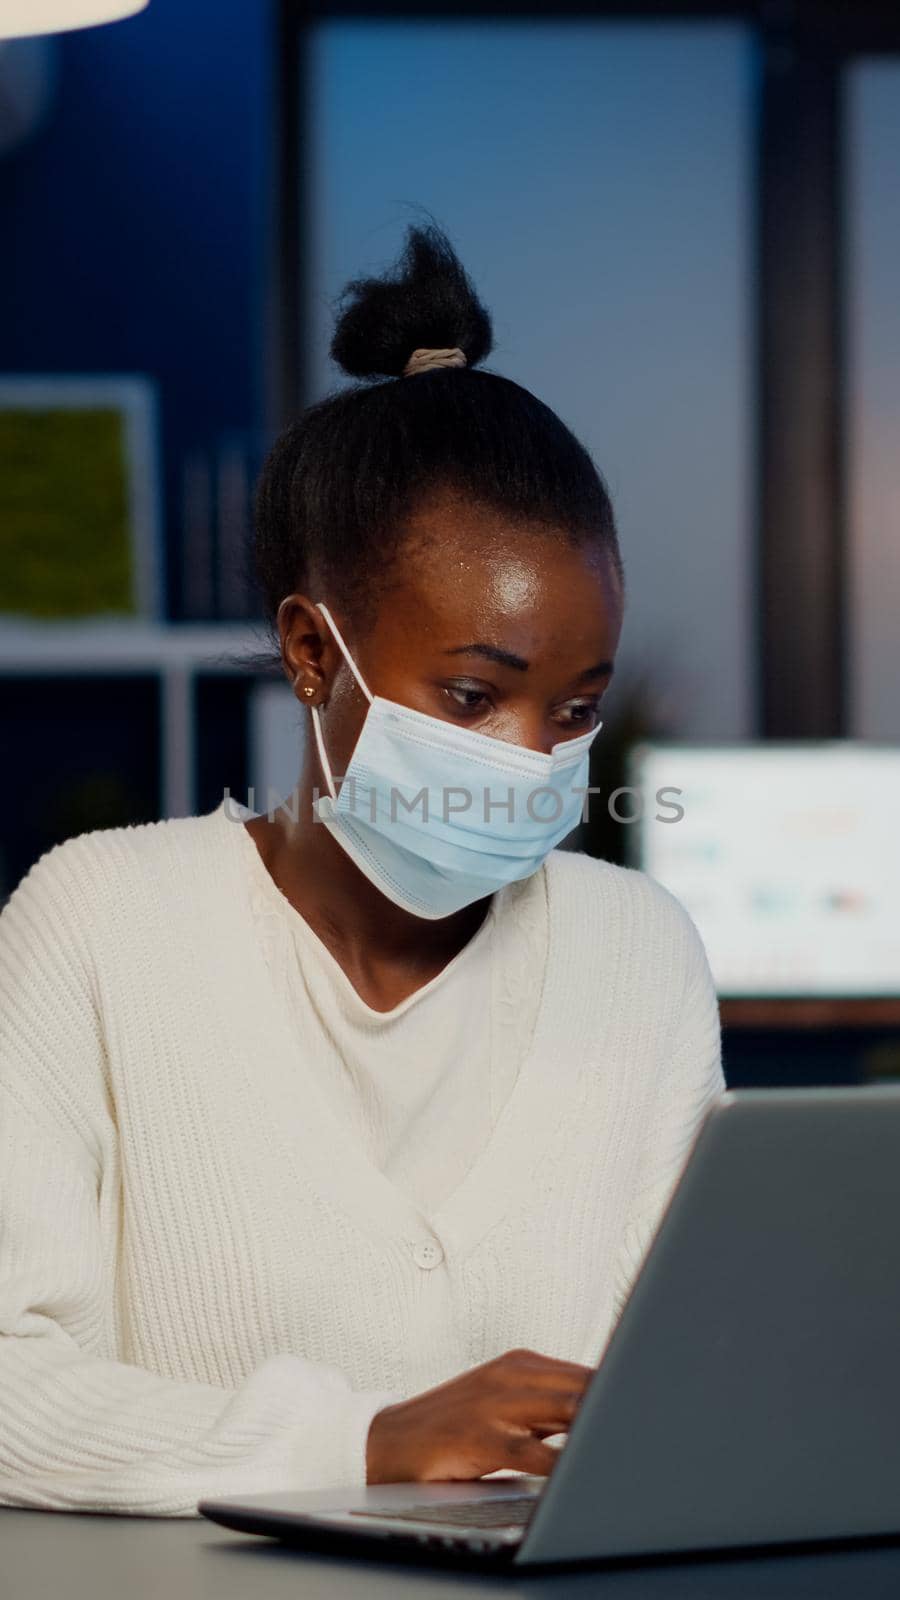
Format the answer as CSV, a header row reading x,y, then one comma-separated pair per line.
x,y
385,951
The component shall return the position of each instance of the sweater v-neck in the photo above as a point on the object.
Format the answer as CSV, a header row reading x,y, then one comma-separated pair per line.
x,y
300,1119
306,935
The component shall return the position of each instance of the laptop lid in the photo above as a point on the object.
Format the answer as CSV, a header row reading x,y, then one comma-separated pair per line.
x,y
750,1392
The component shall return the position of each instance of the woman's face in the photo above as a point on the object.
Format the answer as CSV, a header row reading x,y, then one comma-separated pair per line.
x,y
506,631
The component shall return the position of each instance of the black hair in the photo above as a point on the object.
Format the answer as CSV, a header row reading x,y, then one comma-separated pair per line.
x,y
340,484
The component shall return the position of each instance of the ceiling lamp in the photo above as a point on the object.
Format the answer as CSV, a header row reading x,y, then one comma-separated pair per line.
x,y
20,17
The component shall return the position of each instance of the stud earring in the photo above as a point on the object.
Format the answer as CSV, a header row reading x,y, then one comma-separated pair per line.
x,y
308,690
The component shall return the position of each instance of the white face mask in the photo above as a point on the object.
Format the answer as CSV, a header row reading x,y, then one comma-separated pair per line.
x,y
438,816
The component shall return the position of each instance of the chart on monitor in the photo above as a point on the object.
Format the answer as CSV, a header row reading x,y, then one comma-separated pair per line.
x,y
786,856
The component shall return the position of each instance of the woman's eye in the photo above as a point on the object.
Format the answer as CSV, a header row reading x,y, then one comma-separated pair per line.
x,y
464,698
578,711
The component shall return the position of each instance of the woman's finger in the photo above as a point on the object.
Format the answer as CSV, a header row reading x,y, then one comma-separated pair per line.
x,y
525,1453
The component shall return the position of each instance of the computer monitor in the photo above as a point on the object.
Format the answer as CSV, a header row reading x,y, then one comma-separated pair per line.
x,y
787,857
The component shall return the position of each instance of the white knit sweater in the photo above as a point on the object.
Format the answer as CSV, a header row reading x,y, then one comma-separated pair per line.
x,y
420,1086
205,1286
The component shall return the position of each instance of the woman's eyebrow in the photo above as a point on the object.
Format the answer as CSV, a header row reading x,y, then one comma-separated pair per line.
x,y
505,658
492,652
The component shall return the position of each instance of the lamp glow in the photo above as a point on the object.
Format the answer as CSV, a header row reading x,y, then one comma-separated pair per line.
x,y
21,17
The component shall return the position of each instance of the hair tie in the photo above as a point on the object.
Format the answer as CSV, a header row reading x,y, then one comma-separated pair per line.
x,y
424,360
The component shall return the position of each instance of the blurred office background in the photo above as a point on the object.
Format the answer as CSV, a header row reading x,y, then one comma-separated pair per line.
x,y
685,219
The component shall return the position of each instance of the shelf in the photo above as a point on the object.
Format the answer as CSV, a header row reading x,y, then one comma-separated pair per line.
x,y
175,651
127,646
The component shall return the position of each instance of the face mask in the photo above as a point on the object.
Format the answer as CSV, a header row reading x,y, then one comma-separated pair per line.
x,y
438,816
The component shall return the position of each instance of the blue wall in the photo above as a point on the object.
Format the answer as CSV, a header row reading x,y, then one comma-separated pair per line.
x,y
596,178
135,221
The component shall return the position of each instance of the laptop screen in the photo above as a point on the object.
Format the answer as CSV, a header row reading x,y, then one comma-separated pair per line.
x,y
787,856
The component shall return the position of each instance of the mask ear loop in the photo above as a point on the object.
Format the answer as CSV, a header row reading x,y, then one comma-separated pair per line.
x,y
314,710
321,606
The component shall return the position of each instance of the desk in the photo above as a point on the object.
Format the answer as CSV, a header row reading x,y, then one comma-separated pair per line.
x,y
46,1555
787,1015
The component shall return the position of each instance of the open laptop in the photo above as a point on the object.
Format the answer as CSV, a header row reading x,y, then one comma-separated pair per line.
x,y
749,1393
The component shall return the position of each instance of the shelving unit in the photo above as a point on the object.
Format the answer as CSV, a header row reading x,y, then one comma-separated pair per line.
x,y
176,652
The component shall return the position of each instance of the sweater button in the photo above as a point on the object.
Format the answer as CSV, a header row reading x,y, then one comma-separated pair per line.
x,y
427,1253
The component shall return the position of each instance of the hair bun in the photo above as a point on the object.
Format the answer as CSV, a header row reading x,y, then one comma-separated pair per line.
x,y
425,301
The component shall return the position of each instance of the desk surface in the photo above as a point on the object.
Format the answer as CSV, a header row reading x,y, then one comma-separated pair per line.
x,y
45,1555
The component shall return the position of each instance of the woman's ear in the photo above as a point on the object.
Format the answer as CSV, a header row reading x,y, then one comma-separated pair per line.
x,y
305,648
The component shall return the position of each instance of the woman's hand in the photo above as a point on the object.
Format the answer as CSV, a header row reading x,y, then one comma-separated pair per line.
x,y
494,1416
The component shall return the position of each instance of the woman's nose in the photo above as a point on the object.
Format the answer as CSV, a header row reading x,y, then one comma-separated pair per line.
x,y
531,733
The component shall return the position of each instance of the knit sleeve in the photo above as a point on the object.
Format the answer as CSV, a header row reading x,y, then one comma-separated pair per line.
x,y
80,1431
690,1079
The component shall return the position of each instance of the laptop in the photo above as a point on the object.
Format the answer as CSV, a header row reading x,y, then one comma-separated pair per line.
x,y
749,1393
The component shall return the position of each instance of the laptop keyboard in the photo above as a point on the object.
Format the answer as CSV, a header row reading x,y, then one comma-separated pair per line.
x,y
513,1512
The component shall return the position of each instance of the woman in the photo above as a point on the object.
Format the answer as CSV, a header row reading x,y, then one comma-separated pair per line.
x,y
332,1138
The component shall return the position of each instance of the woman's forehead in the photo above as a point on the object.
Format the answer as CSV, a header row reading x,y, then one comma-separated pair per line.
x,y
530,594
508,567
